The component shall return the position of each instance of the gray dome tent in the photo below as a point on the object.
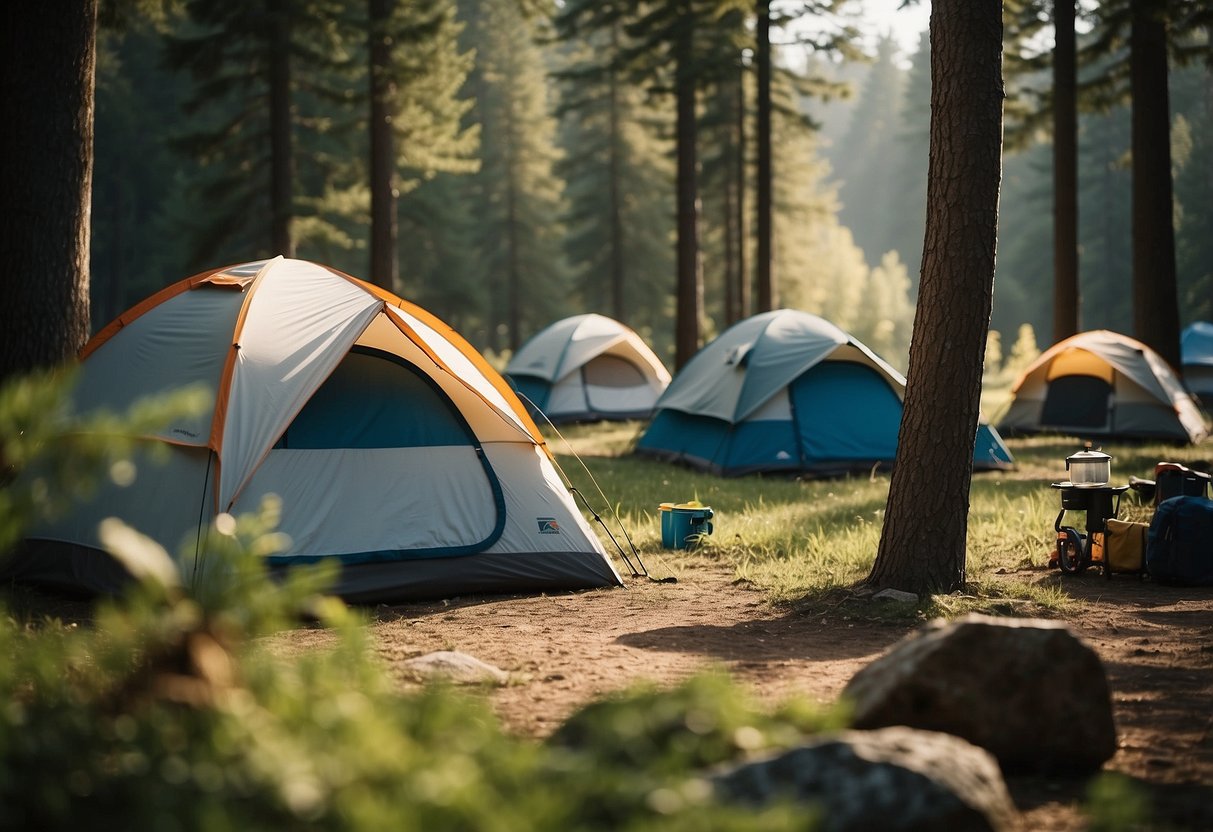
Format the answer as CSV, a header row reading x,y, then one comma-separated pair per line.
x,y
588,368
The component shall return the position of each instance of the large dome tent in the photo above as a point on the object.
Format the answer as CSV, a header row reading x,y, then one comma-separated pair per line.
x,y
1103,385
588,368
396,450
787,391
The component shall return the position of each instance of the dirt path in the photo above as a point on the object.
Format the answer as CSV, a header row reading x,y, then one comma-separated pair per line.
x,y
565,650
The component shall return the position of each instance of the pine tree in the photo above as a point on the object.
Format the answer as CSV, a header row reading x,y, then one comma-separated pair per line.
x,y
871,150
516,196
248,61
134,248
910,155
415,75
619,180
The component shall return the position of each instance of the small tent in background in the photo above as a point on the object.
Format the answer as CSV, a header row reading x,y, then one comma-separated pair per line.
x,y
1103,385
587,368
1196,347
787,391
396,450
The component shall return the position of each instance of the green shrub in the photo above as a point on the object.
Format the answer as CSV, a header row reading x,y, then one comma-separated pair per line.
x,y
166,712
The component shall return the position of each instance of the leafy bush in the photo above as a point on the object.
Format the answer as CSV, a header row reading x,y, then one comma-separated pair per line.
x,y
166,712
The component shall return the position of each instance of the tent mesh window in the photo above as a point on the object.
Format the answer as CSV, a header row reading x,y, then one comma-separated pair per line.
x,y
612,371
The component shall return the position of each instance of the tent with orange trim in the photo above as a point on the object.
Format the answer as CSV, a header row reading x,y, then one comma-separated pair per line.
x,y
396,450
1103,385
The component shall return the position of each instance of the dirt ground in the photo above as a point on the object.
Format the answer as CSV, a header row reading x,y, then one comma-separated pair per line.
x,y
564,650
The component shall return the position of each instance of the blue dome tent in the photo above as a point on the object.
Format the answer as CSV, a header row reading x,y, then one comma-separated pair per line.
x,y
786,391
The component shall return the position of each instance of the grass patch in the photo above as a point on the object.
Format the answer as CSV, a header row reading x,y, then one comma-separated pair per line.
x,y
802,541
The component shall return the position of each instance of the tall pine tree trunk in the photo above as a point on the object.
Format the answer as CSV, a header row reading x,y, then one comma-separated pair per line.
x,y
922,544
614,194
47,79
732,242
1155,291
689,293
1065,173
282,163
384,262
768,296
743,264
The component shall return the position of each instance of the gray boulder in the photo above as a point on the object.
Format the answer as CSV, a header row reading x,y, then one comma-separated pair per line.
x,y
892,779
1026,690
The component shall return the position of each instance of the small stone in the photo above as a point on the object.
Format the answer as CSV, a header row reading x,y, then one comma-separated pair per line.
x,y
456,667
896,595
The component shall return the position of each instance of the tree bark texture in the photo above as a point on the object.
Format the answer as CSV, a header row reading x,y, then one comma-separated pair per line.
x,y
1065,174
384,263
767,295
743,268
689,291
47,79
282,163
1155,290
614,195
922,544
732,239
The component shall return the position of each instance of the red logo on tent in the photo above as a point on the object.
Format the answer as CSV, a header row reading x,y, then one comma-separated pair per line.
x,y
548,525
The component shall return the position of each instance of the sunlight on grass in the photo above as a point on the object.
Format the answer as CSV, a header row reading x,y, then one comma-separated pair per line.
x,y
797,538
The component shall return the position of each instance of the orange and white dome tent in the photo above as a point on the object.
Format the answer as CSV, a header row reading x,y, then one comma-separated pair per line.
x,y
1103,385
395,448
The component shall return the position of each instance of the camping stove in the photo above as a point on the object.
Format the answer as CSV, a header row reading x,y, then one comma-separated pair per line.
x,y
1076,551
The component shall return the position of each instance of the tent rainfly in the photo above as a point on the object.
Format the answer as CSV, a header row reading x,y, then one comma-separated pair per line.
x,y
788,391
396,450
1103,385
1196,348
588,368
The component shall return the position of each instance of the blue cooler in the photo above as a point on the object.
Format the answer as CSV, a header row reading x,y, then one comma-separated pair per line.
x,y
684,524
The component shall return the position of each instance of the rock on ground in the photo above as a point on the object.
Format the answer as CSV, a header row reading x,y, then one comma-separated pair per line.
x,y
456,667
1027,690
893,779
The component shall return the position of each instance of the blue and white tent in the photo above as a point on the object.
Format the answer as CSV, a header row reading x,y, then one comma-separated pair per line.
x,y
788,391
1196,347
588,368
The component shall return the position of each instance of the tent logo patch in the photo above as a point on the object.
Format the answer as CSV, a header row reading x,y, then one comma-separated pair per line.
x,y
548,525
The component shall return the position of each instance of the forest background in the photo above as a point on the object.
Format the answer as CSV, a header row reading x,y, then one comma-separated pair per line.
x,y
511,144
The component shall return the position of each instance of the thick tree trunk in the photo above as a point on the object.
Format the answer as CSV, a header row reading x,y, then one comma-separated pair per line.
x,y
922,545
689,298
384,262
1155,292
1065,174
47,76
282,163
768,296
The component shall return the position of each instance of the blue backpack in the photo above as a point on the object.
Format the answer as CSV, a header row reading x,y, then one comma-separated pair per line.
x,y
1179,543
